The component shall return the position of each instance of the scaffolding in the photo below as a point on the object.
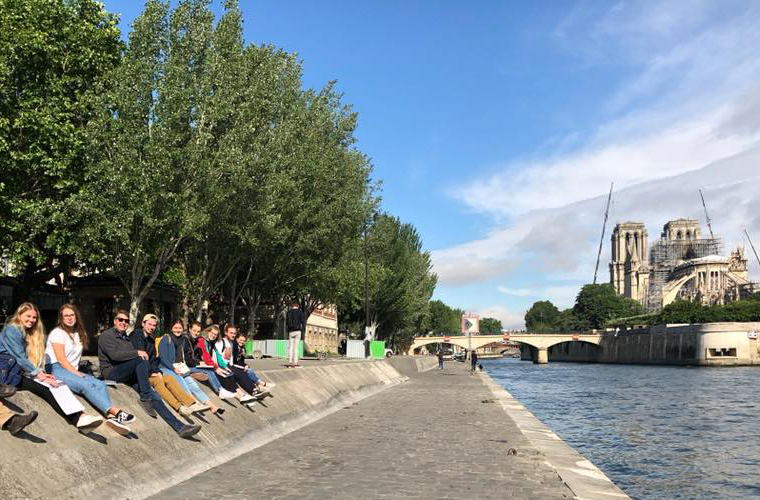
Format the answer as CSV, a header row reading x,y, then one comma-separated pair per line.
x,y
665,255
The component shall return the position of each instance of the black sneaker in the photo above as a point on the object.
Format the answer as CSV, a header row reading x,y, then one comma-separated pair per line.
x,y
147,405
7,391
19,421
117,426
124,418
188,430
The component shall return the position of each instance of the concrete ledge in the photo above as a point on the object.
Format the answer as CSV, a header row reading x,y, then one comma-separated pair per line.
x,y
52,460
409,365
585,480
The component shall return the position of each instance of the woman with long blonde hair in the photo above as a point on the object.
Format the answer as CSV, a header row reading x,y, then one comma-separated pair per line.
x,y
23,340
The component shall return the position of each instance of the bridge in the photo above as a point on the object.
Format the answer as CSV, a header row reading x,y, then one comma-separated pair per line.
x,y
540,341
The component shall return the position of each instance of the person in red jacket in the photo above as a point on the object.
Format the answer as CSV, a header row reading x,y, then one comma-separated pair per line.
x,y
211,358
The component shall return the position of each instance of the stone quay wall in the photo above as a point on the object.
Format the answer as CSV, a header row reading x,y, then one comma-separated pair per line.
x,y
707,344
52,460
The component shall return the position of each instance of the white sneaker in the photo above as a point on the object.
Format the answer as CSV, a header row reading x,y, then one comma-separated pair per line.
x,y
87,423
225,394
117,426
185,411
247,398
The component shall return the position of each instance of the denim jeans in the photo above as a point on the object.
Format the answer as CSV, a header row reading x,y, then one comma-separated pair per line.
x,y
213,381
136,370
252,375
92,389
188,384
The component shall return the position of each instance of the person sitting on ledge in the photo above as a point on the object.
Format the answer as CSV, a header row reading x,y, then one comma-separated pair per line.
x,y
10,420
210,357
225,360
121,362
62,355
22,340
238,363
168,388
194,360
171,362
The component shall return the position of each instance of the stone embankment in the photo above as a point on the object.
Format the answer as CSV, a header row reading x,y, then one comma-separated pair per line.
x,y
439,434
52,460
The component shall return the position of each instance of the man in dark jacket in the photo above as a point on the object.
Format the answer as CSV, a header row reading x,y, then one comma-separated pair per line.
x,y
121,362
294,323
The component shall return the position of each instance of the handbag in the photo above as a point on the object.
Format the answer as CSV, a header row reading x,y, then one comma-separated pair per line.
x,y
10,370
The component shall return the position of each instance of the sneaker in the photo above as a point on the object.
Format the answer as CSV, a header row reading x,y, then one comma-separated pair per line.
x,y
185,411
110,383
19,421
219,412
115,425
263,393
188,430
225,394
7,391
124,418
198,407
87,423
147,405
247,398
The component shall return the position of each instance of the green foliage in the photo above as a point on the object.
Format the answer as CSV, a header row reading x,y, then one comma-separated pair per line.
x,y
682,311
53,54
542,316
490,326
444,319
596,304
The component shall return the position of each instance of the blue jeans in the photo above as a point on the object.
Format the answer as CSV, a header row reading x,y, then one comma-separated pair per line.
x,y
212,380
252,376
92,389
188,384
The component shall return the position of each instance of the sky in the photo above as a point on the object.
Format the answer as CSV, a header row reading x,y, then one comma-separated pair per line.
x,y
496,127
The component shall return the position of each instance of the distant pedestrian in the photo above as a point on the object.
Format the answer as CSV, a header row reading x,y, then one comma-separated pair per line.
x,y
440,359
294,322
473,360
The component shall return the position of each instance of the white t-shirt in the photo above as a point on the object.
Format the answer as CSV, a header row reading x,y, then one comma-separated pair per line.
x,y
72,347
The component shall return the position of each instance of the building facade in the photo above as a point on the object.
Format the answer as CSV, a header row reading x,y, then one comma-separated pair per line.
x,y
680,265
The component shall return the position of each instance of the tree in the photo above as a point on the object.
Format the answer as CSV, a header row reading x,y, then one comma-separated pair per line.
x,y
444,319
53,53
490,326
143,191
596,304
542,316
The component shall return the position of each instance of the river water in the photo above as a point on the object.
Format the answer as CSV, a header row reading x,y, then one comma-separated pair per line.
x,y
658,432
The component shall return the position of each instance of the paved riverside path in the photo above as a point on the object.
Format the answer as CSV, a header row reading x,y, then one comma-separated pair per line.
x,y
431,437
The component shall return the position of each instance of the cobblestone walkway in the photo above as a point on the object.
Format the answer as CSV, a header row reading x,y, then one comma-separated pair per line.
x,y
436,436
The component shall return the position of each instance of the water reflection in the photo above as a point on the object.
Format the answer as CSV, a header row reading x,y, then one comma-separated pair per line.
x,y
658,432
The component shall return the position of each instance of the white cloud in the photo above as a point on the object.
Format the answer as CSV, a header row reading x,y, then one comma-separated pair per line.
x,y
517,292
688,118
510,320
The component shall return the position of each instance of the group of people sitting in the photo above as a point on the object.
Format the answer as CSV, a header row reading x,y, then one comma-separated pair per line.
x,y
165,370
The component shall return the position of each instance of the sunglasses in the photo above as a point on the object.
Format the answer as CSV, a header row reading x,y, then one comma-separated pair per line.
x,y
122,320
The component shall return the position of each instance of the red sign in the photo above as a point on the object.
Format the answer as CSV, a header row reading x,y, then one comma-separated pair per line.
x,y
446,339
575,336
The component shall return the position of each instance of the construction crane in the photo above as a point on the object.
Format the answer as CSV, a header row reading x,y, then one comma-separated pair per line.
x,y
707,217
604,226
753,247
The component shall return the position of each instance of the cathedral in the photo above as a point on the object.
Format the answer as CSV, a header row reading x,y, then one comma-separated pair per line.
x,y
680,265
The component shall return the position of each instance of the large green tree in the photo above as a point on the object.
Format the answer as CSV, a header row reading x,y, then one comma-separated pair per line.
x,y
53,56
444,320
596,304
490,326
542,316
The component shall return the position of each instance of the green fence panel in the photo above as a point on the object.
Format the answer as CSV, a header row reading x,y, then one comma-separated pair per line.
x,y
377,349
281,349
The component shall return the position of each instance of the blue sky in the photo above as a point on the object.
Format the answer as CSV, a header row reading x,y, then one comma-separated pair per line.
x,y
496,127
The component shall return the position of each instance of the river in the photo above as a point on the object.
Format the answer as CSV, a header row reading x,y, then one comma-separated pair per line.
x,y
658,432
